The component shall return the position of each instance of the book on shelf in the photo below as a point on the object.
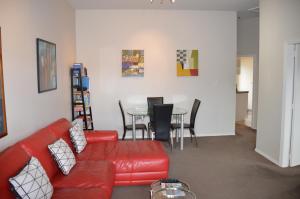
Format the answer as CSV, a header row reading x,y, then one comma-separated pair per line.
x,y
80,108
88,118
80,95
78,66
76,92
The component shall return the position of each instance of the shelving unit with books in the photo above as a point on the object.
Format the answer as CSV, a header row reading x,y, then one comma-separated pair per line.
x,y
80,96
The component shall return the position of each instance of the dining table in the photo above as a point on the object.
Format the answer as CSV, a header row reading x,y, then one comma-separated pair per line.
x,y
142,111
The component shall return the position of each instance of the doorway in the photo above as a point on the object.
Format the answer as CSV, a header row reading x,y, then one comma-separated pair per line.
x,y
244,90
290,155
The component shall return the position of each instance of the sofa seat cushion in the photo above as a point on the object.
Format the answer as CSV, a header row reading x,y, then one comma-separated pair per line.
x,y
129,156
139,162
135,161
97,151
139,156
76,193
139,178
88,174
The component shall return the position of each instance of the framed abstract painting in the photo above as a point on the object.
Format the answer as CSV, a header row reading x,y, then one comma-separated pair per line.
x,y
46,65
187,62
3,127
133,63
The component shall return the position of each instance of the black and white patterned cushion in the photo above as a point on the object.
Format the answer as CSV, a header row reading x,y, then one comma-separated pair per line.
x,y
63,155
32,182
78,138
78,121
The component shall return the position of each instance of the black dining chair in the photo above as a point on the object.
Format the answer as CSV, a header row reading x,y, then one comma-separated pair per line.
x,y
151,101
130,127
161,126
191,125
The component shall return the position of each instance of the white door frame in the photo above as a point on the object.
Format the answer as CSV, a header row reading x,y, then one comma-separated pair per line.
x,y
287,97
254,88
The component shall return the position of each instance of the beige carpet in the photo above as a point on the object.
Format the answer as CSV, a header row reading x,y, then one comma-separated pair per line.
x,y
226,168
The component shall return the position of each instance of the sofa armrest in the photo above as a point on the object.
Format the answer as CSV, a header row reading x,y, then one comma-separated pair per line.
x,y
101,135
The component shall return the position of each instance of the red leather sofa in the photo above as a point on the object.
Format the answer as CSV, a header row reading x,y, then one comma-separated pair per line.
x,y
105,162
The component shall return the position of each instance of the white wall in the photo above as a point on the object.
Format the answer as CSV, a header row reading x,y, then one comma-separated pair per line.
x,y
248,36
241,106
248,45
279,23
22,21
102,34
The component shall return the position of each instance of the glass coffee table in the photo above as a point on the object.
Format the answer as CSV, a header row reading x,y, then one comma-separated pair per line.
x,y
171,188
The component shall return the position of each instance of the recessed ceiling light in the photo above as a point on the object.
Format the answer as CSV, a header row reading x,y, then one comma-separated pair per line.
x,y
162,1
255,9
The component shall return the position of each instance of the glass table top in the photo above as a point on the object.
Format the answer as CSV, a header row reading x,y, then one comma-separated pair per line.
x,y
173,193
143,111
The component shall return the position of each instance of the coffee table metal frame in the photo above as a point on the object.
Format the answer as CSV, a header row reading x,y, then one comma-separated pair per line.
x,y
156,188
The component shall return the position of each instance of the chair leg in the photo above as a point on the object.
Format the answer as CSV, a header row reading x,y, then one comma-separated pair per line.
x,y
171,137
176,137
177,130
143,133
148,130
124,134
152,135
192,132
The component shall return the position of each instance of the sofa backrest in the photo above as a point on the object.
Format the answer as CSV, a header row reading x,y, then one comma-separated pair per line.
x,y
14,158
12,161
37,145
60,129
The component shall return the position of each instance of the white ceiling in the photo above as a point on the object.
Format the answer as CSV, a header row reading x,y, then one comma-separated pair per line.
x,y
241,6
234,5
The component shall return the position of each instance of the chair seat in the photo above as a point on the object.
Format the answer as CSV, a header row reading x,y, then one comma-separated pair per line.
x,y
178,126
137,126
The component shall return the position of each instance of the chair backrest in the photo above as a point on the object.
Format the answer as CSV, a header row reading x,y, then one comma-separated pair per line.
x,y
194,112
162,121
151,101
122,112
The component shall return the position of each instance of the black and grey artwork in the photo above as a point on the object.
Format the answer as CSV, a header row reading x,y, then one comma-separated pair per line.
x,y
3,129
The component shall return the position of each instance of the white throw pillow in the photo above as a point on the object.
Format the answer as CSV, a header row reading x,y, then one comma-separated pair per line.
x,y
63,155
78,121
78,138
32,182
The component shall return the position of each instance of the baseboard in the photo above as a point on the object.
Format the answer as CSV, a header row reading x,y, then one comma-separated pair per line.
x,y
215,134
268,157
187,134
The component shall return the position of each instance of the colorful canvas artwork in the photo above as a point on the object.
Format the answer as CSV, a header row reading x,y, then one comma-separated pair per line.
x,y
187,62
3,127
133,63
46,65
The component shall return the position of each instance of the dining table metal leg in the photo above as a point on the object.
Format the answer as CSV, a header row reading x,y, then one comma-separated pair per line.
x,y
181,131
133,128
177,122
